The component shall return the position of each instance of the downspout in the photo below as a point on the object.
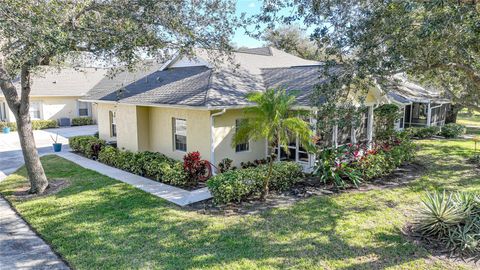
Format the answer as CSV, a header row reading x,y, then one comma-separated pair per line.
x,y
212,139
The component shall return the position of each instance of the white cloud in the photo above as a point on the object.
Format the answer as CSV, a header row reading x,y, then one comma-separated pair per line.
x,y
251,5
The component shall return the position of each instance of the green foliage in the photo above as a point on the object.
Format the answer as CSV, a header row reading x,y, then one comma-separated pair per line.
x,y
11,125
82,121
225,165
36,124
274,119
238,185
150,164
385,117
423,132
90,146
435,41
349,165
452,130
452,220
43,124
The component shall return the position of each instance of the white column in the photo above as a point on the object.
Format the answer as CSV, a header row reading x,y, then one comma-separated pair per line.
x,y
370,125
353,135
313,124
335,136
429,114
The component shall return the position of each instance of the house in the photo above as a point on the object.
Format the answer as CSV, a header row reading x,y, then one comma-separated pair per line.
x,y
194,104
56,94
419,106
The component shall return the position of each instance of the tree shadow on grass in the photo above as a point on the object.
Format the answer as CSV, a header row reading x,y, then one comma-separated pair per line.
x,y
98,222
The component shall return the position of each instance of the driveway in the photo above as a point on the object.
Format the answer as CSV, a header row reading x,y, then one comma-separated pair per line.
x,y
11,157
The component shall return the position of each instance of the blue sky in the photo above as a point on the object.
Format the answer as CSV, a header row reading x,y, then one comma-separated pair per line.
x,y
250,7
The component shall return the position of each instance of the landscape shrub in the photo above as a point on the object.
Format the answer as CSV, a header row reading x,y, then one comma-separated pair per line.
x,y
423,132
195,167
451,220
82,121
225,165
36,124
11,125
107,155
43,124
452,130
351,164
174,174
90,146
238,185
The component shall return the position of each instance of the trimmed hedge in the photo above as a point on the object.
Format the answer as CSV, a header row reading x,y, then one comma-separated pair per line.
x,y
149,164
453,130
11,125
423,132
90,146
36,124
82,121
238,185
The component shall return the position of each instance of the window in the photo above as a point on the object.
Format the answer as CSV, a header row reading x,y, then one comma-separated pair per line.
x,y
241,147
113,124
34,110
180,134
3,111
83,109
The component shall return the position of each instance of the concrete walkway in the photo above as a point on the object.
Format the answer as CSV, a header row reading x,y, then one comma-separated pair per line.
x,y
172,194
20,247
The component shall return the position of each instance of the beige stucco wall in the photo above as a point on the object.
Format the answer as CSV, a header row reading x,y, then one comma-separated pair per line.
x,y
103,120
161,134
53,108
224,130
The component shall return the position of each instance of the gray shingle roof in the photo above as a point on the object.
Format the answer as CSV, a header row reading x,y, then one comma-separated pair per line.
x,y
403,90
222,86
68,82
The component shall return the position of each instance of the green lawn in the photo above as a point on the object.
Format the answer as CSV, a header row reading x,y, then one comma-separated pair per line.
x,y
469,120
99,223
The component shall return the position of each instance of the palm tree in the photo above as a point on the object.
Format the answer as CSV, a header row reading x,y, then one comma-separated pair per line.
x,y
274,119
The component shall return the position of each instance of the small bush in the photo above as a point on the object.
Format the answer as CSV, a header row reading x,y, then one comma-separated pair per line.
x,y
238,185
174,174
423,133
82,121
90,146
43,124
225,165
107,155
11,125
451,220
195,167
452,130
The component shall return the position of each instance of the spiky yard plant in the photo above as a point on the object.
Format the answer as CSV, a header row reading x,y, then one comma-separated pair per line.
x,y
439,213
273,118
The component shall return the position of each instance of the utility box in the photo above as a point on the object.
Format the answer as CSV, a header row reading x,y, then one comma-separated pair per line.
x,y
64,122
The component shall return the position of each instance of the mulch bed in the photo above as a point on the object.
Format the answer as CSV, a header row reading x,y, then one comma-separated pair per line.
x,y
54,186
305,189
436,249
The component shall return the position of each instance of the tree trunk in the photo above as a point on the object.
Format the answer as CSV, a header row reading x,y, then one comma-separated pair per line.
x,y
36,174
452,113
266,181
20,108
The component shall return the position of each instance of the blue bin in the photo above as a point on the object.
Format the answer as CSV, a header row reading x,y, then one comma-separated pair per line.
x,y
6,130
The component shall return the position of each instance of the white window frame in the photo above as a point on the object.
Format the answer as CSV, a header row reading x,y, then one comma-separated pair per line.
x,y
39,103
113,123
3,111
246,144
87,107
177,133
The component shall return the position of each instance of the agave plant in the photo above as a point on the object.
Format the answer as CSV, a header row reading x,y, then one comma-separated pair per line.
x,y
440,212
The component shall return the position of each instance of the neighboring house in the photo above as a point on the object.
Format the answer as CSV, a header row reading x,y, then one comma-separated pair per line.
x,y
419,106
189,105
55,94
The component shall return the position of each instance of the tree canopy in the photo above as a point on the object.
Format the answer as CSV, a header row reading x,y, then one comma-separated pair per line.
x,y
292,39
49,32
437,42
